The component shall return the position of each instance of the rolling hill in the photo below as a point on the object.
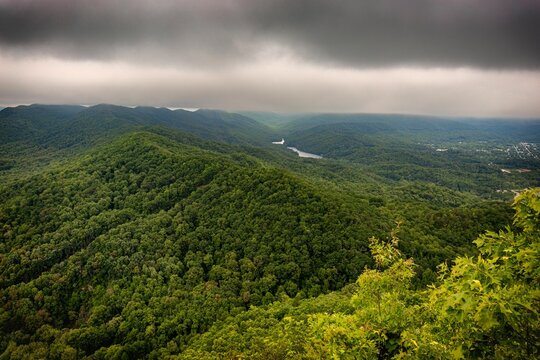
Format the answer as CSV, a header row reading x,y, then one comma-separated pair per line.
x,y
38,134
147,220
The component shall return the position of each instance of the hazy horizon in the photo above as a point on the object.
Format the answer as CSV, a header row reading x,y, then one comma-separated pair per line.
x,y
287,113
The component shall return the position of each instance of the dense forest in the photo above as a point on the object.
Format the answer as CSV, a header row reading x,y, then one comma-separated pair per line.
x,y
150,233
482,307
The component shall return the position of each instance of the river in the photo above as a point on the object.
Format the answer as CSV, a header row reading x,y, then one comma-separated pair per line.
x,y
304,154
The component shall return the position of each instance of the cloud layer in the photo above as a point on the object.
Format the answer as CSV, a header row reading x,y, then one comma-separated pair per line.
x,y
477,33
279,85
373,55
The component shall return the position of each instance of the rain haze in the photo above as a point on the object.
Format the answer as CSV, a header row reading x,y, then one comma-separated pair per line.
x,y
452,57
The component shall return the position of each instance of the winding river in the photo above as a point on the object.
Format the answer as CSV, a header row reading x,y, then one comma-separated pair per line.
x,y
304,154
300,153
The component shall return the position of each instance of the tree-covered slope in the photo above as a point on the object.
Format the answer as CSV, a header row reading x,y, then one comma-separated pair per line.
x,y
57,125
147,241
38,134
483,307
27,122
419,127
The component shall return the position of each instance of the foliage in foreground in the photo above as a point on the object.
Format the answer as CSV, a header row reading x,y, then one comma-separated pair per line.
x,y
483,307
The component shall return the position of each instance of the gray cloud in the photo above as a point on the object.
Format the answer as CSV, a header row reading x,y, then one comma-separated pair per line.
x,y
367,33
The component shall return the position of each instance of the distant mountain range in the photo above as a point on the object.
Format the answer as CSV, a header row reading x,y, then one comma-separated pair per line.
x,y
58,125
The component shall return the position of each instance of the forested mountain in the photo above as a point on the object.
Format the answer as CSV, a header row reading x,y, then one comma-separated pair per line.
x,y
24,122
414,126
203,234
483,308
37,134
150,233
60,125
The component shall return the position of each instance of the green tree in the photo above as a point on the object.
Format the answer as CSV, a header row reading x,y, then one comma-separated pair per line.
x,y
487,307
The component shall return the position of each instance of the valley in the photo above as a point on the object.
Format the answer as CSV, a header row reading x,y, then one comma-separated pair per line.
x,y
150,233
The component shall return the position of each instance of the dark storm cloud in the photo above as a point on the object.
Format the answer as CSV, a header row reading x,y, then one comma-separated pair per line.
x,y
474,33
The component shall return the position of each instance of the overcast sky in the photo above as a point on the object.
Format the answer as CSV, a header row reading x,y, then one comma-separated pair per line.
x,y
443,57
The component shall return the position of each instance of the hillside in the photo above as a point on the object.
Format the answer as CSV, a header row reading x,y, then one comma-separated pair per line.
x,y
434,127
483,307
27,122
206,236
53,125
37,134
